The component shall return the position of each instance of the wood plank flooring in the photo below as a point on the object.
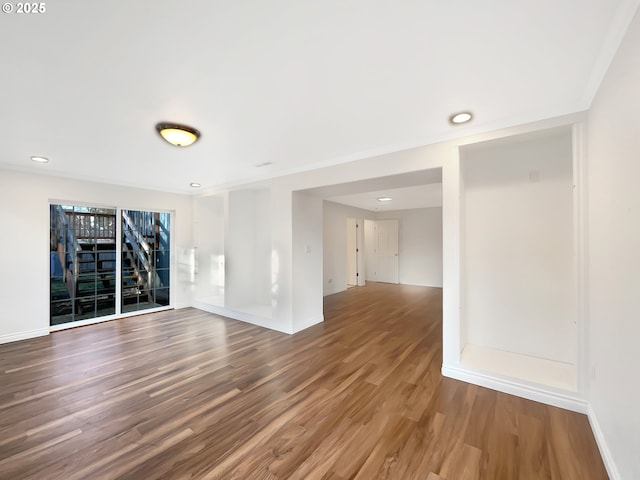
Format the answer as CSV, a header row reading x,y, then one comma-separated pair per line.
x,y
186,394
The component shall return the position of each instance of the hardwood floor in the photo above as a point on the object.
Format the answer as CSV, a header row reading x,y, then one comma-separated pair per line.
x,y
187,394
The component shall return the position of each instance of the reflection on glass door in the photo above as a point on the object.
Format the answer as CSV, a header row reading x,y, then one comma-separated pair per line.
x,y
82,262
145,260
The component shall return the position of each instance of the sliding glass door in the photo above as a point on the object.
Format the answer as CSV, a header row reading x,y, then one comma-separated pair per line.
x,y
145,260
85,265
82,262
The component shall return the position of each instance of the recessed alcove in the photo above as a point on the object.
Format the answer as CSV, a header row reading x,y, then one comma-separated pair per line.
x,y
234,225
518,258
209,255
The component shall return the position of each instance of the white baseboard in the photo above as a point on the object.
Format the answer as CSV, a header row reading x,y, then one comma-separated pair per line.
x,y
14,337
309,322
242,316
523,389
607,458
421,285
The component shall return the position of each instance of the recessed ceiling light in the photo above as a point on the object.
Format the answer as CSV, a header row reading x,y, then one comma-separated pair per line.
x,y
264,164
178,135
460,117
384,199
195,185
40,159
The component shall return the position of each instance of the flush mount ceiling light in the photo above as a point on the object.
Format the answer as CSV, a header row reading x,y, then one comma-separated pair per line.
x,y
38,159
460,118
195,185
384,199
178,135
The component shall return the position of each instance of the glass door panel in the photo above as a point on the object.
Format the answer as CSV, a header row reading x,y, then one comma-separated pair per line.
x,y
145,260
82,262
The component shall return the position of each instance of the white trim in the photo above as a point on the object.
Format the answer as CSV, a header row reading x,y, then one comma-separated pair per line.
x,y
182,306
14,337
522,389
241,316
309,322
106,318
74,203
452,257
605,453
581,260
119,261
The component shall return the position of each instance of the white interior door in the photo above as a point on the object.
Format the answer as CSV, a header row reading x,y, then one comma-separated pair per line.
x,y
387,251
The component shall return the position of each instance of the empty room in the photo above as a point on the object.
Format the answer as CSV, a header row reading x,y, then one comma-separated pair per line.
x,y
292,240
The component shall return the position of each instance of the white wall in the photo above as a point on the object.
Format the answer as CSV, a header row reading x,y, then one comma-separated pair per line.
x,y
209,230
248,251
519,270
614,259
334,232
24,209
420,245
257,226
307,261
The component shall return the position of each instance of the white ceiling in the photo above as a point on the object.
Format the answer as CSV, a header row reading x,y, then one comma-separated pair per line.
x,y
419,189
298,84
421,196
